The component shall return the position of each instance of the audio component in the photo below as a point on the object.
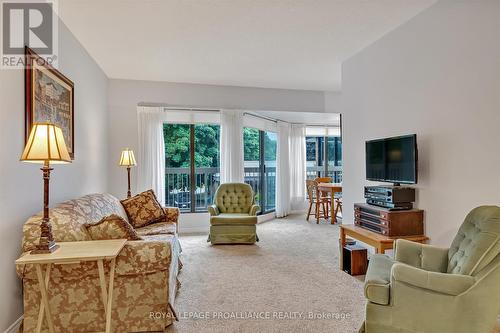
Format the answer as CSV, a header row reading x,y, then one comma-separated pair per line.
x,y
390,197
390,205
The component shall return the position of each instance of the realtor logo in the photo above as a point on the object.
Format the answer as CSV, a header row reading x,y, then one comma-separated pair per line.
x,y
31,23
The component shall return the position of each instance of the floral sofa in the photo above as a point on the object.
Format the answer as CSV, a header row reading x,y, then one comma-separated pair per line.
x,y
145,280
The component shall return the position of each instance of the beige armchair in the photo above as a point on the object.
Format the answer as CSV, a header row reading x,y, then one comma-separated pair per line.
x,y
233,216
438,290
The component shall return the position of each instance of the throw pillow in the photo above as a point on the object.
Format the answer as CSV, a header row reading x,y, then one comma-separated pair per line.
x,y
143,209
111,227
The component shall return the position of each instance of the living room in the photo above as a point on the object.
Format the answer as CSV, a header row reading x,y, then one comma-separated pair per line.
x,y
287,91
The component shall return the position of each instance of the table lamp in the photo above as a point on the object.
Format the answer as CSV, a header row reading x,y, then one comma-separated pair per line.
x,y
128,160
46,145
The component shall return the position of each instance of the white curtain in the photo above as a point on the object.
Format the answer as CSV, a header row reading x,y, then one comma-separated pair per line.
x,y
283,165
151,163
298,167
231,146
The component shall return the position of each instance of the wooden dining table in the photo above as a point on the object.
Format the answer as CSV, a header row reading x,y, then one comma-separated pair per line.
x,y
331,188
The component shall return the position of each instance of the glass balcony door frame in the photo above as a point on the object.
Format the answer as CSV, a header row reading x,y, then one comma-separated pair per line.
x,y
192,168
193,208
324,167
322,156
262,171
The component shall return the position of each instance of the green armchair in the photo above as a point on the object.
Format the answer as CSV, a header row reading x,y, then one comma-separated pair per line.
x,y
233,216
435,290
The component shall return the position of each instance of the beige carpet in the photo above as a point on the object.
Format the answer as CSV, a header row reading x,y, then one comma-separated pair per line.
x,y
291,273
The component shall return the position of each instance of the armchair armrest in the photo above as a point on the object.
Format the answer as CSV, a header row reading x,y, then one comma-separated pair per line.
x,y
213,210
444,283
253,210
427,257
142,257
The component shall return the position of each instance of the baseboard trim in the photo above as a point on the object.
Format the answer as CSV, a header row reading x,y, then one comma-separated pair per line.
x,y
15,326
266,217
194,230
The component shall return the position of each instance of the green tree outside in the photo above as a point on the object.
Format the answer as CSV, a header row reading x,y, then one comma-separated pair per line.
x,y
177,145
251,145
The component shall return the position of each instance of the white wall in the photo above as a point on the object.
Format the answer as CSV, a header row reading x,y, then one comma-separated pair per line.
x,y
21,183
125,95
438,76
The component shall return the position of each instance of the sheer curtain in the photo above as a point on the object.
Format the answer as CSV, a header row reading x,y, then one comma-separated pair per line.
x,y
151,164
283,166
231,146
298,167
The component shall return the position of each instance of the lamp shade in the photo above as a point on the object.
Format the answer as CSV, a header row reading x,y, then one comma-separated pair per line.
x,y
45,144
127,159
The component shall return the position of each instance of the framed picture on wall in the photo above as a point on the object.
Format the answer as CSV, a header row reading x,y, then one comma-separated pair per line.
x,y
49,98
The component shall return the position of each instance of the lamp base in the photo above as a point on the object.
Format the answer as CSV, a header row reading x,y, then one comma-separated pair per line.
x,y
48,248
46,244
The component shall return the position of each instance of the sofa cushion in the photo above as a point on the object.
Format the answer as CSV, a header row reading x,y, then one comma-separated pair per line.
x,y
143,209
233,219
157,229
377,280
111,227
68,219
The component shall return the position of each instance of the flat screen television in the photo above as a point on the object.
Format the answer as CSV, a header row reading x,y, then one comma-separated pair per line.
x,y
392,160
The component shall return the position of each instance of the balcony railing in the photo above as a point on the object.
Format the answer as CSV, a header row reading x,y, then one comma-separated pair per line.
x,y
319,171
178,187
253,178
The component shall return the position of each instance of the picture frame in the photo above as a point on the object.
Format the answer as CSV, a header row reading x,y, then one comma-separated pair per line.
x,y
49,98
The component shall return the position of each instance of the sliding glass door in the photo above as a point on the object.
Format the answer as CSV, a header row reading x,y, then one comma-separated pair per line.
x,y
207,164
260,166
192,165
324,157
269,143
334,158
178,166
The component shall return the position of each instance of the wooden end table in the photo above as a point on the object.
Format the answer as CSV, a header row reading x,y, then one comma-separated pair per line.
x,y
73,253
378,241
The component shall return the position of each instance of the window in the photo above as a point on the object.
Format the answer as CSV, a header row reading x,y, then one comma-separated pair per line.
x,y
320,149
192,165
260,166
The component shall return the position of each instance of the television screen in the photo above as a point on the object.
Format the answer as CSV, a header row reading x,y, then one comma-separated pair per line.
x,y
392,159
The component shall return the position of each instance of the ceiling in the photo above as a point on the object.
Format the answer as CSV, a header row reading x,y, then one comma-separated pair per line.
x,y
292,44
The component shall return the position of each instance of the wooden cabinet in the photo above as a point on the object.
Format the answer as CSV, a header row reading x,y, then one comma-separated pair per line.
x,y
355,259
389,223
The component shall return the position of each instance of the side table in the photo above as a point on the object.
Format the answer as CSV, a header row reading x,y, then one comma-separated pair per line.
x,y
73,253
379,242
